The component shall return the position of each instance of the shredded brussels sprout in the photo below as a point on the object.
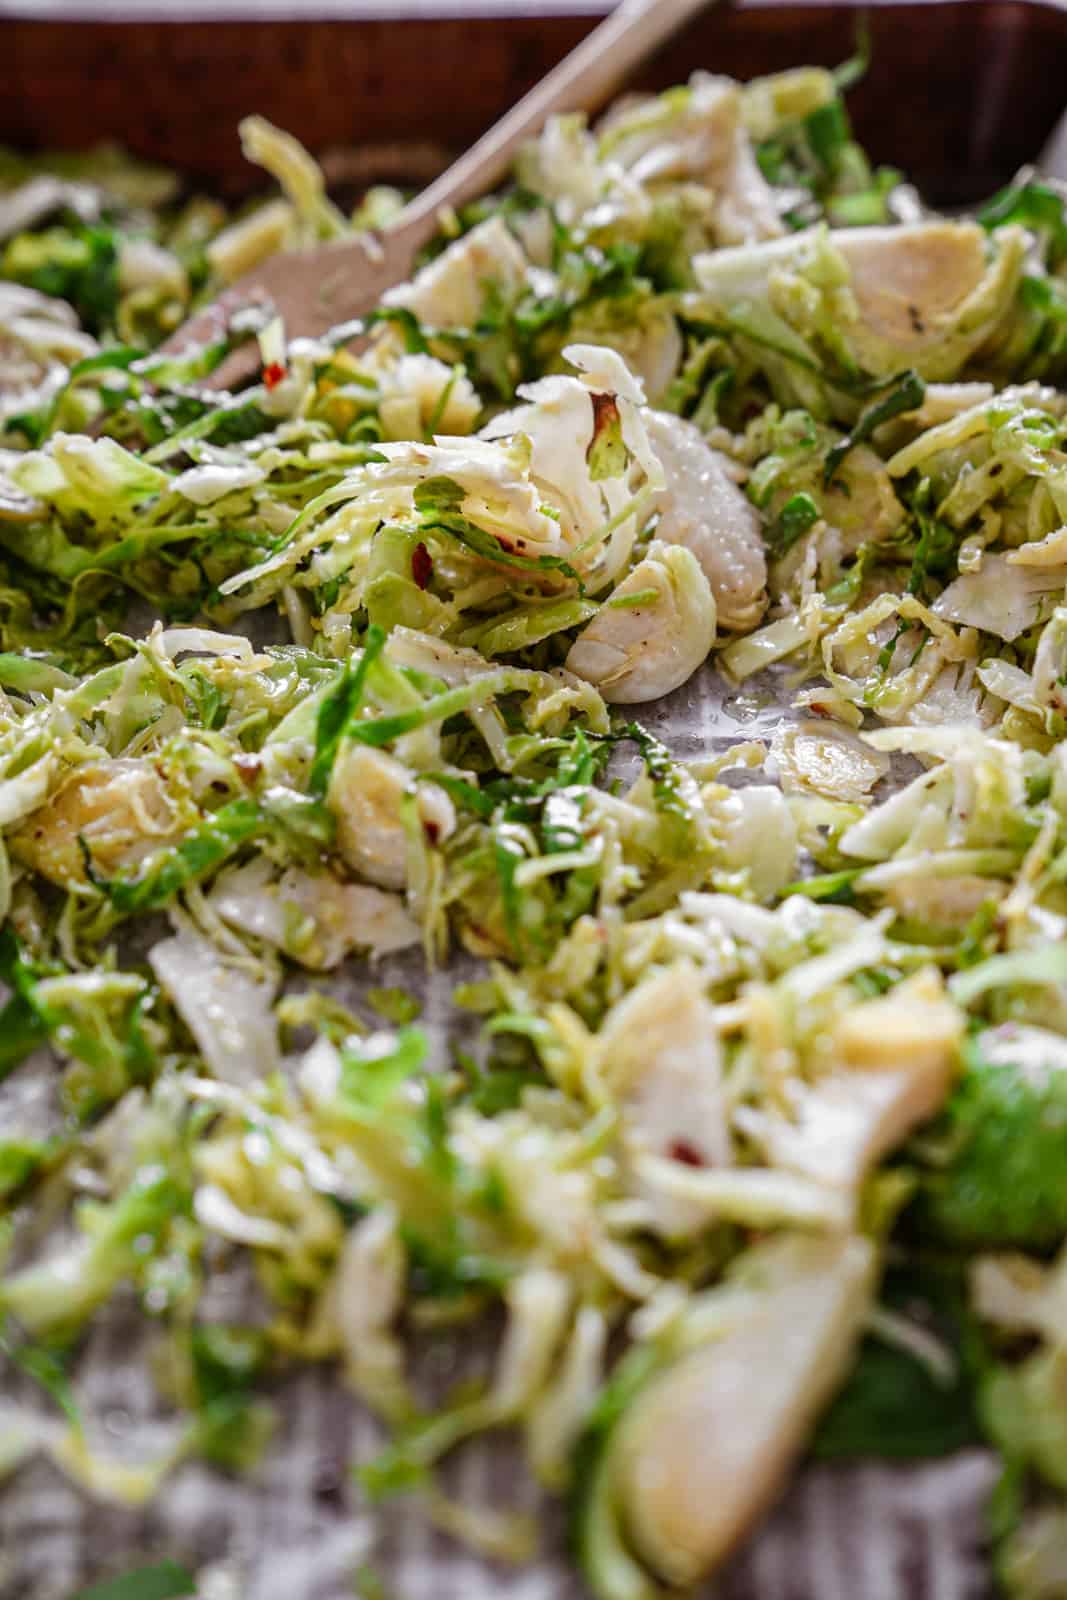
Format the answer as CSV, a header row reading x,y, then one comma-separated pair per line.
x,y
320,680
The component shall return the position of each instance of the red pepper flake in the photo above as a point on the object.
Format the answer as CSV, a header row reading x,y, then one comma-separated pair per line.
x,y
605,413
605,418
431,829
273,374
249,768
682,1150
421,566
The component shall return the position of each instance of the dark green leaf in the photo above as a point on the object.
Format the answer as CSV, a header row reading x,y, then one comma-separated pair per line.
x,y
170,871
1044,294
165,1581
772,157
46,1369
20,1159
1035,205
1001,1185
394,1004
210,706
445,1268
892,1405
438,501
706,416
438,495
861,208
119,356
415,342
834,888
392,1472
379,731
508,856
906,394
370,1585
23,1024
79,264
666,777
371,1074
795,518
828,133
304,816
339,709
235,420
466,794
226,1357
498,1088
22,1031
888,650
14,970
232,1426
935,552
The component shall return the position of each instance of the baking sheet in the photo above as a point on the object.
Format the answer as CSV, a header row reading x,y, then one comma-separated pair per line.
x,y
960,93
984,88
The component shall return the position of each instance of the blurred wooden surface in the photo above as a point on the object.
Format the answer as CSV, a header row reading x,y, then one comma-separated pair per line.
x,y
958,94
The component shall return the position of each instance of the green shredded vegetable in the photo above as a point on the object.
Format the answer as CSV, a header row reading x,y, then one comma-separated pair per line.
x,y
543,818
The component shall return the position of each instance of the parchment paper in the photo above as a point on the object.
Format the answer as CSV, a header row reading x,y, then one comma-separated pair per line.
x,y
298,1529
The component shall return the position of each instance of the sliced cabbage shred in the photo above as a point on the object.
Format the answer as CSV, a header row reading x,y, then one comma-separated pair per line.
x,y
316,689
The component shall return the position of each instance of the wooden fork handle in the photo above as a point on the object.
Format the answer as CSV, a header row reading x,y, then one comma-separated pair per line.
x,y
588,77
344,280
